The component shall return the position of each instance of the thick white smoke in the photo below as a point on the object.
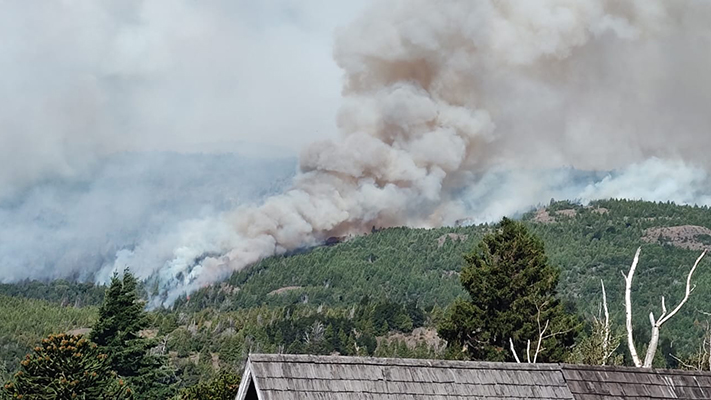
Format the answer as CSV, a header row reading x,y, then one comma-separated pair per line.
x,y
68,228
438,95
452,109
82,80
500,193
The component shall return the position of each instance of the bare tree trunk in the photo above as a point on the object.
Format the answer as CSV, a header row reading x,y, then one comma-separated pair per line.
x,y
606,328
528,351
513,350
540,340
656,324
653,342
628,309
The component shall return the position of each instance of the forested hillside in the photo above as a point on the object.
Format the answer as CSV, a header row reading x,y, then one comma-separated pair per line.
x,y
382,294
403,265
588,243
61,292
24,322
597,242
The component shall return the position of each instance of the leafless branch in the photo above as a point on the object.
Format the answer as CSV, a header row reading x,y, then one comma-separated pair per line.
x,y
540,339
682,362
628,308
656,325
606,327
513,350
528,351
688,291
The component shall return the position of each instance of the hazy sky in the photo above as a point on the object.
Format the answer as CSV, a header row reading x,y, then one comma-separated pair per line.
x,y
450,110
81,79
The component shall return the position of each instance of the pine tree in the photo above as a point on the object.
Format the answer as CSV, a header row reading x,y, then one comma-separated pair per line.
x,y
117,332
66,367
222,387
512,290
342,341
331,338
231,349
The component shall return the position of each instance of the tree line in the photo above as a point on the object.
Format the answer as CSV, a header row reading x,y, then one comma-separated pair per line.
x,y
509,303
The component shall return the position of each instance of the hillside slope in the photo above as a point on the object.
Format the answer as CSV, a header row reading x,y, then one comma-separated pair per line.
x,y
588,243
395,280
24,322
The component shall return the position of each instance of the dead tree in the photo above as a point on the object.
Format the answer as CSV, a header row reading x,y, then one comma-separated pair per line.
x,y
600,346
656,323
607,341
701,360
542,329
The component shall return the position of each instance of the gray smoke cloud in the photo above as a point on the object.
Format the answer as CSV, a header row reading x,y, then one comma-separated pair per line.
x,y
503,192
84,80
98,97
449,110
440,96
68,228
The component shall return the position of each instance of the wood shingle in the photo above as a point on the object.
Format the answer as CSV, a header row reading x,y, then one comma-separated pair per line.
x,y
598,382
286,377
279,377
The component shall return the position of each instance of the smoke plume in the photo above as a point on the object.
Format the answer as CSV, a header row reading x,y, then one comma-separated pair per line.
x,y
450,110
82,81
440,95
69,228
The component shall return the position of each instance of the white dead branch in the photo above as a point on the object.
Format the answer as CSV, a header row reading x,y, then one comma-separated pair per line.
x,y
702,359
607,349
628,309
541,337
606,326
541,332
528,351
513,350
656,323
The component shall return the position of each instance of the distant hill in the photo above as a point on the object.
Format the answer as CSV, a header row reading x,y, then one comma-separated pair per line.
x,y
24,322
589,243
395,280
60,292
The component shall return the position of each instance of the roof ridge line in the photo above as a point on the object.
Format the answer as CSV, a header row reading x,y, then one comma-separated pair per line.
x,y
351,360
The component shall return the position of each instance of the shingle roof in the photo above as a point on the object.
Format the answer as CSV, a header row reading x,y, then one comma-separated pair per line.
x,y
596,382
287,377
280,377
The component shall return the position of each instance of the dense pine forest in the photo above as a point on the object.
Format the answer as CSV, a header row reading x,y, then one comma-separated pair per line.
x,y
385,294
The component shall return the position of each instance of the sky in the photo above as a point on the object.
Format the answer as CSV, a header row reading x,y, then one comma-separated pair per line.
x,y
189,139
82,80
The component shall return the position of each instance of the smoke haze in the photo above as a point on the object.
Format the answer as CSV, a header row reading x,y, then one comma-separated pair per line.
x,y
83,80
449,110
69,228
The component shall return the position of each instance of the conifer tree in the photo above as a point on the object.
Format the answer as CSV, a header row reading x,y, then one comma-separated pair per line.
x,y
121,318
66,367
512,300
222,387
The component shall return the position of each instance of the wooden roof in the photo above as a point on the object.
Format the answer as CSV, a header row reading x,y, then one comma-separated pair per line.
x,y
597,382
287,377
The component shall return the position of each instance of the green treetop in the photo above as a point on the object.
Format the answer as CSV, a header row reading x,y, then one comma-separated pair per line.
x,y
512,289
222,387
66,367
117,332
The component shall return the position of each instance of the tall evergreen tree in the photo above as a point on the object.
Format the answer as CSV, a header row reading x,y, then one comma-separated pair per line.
x,y
121,318
512,290
66,367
